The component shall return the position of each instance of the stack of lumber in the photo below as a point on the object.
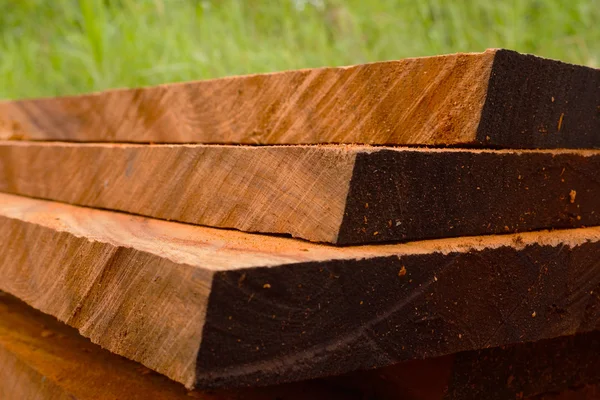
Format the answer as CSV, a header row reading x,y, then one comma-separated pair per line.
x,y
425,229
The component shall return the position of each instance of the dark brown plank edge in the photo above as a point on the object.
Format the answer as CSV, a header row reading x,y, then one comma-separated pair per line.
x,y
536,103
518,371
413,195
320,319
584,392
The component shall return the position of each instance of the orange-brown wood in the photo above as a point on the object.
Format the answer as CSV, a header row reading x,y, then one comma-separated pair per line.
x,y
335,194
412,101
212,307
498,98
43,359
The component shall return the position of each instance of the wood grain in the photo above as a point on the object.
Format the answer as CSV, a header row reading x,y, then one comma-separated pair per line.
x,y
335,194
296,190
496,98
43,359
216,308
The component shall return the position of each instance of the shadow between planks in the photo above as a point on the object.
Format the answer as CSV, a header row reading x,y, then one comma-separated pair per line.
x,y
215,308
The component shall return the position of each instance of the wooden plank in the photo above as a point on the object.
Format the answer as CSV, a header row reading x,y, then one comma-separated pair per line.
x,y
537,370
40,358
217,308
497,98
43,359
335,194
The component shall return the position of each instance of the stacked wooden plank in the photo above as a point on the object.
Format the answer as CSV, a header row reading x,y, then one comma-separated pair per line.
x,y
487,235
42,358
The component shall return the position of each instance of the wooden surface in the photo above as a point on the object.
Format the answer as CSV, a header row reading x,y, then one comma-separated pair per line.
x,y
537,370
41,358
497,98
216,308
336,194
585,392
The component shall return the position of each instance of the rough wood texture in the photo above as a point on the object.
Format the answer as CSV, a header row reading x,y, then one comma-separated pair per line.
x,y
520,371
221,308
336,194
496,98
43,359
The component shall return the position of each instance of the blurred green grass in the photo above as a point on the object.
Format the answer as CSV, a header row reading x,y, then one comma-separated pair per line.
x,y
71,46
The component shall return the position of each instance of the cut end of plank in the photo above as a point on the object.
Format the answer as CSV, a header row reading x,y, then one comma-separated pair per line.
x,y
534,102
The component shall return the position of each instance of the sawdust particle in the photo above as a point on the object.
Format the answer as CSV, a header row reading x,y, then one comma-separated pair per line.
x,y
572,195
402,271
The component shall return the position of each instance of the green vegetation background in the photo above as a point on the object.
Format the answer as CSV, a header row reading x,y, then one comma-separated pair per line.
x,y
71,46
